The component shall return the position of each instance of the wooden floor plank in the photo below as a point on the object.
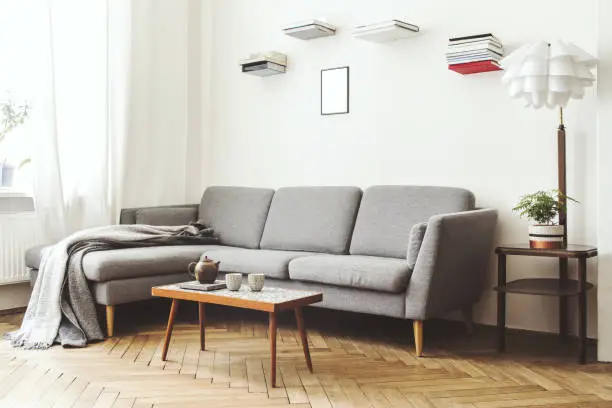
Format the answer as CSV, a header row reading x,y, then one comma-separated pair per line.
x,y
72,393
124,403
238,371
106,399
221,368
148,350
314,391
255,375
205,366
135,348
295,390
53,395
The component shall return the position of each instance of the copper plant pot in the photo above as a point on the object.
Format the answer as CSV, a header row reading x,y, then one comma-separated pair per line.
x,y
546,236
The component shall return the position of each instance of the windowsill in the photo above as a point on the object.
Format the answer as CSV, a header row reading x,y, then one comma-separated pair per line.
x,y
12,193
14,201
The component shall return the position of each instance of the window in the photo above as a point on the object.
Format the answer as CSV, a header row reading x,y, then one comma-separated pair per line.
x,y
20,42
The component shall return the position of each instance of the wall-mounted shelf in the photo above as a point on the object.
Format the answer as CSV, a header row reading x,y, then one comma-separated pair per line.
x,y
309,30
385,31
473,54
265,64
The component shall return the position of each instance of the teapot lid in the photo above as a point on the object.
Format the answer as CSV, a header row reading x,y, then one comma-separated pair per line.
x,y
206,259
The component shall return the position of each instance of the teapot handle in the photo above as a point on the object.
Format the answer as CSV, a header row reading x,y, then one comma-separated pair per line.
x,y
191,269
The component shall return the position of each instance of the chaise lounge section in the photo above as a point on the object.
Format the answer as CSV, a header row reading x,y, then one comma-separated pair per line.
x,y
409,252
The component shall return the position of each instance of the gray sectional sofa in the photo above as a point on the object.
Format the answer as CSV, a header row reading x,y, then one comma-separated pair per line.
x,y
409,252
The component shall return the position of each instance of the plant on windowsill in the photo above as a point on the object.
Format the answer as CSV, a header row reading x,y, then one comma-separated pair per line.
x,y
11,117
542,208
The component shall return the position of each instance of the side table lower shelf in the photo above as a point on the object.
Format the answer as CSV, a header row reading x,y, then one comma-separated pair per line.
x,y
544,287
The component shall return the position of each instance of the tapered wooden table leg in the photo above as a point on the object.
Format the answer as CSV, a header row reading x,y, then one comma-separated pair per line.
x,y
299,317
110,320
272,335
173,310
202,318
417,328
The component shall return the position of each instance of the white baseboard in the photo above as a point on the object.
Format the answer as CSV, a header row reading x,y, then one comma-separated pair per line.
x,y
14,295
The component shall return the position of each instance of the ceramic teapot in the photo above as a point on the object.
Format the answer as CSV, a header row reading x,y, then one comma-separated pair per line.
x,y
205,271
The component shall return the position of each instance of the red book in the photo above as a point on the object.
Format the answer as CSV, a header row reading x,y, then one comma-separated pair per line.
x,y
475,67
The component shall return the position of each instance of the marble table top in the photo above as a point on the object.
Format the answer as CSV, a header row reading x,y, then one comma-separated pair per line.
x,y
267,294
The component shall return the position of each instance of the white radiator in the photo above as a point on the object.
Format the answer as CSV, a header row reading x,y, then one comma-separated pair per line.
x,y
18,232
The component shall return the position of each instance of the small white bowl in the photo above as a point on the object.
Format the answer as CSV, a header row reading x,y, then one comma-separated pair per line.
x,y
233,281
256,281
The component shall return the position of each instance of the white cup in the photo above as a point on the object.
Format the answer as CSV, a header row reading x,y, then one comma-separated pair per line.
x,y
233,281
256,281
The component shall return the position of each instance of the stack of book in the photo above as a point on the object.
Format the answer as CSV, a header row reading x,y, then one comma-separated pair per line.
x,y
474,53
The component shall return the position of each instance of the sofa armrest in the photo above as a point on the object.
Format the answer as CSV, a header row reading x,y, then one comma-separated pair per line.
x,y
451,267
169,214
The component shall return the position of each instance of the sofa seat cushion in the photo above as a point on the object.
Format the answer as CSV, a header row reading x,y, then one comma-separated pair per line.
x,y
272,263
355,271
34,255
102,266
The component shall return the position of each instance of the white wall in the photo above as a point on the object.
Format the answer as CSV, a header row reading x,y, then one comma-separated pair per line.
x,y
604,238
412,121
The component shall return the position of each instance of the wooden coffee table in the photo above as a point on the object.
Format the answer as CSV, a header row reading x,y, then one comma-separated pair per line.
x,y
271,300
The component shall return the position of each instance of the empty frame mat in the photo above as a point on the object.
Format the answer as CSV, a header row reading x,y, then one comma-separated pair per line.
x,y
335,91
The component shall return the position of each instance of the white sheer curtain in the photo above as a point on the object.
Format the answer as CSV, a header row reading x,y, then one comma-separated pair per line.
x,y
80,113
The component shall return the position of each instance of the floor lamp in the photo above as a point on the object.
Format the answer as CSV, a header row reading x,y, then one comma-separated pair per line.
x,y
549,75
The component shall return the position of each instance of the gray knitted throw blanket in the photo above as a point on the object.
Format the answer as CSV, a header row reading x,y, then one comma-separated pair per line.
x,y
62,308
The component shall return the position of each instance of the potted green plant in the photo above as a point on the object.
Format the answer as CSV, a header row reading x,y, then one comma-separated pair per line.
x,y
11,117
542,208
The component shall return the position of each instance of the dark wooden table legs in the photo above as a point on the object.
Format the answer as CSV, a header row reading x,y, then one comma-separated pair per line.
x,y
272,334
202,319
501,304
564,288
173,310
299,317
582,310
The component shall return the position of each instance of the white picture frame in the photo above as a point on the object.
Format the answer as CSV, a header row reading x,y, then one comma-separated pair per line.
x,y
335,91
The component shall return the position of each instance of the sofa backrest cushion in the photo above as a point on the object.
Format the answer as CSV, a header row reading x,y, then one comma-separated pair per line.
x,y
166,216
315,219
387,214
237,214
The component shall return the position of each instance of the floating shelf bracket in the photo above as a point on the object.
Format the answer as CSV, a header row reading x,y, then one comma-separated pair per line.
x,y
385,31
310,30
265,64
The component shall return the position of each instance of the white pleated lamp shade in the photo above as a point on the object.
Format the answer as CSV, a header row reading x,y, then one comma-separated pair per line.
x,y
548,75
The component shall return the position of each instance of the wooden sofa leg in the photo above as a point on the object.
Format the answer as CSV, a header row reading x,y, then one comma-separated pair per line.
x,y
417,326
110,320
468,319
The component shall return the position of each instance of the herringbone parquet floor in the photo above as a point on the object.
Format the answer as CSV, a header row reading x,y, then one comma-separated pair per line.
x,y
358,362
